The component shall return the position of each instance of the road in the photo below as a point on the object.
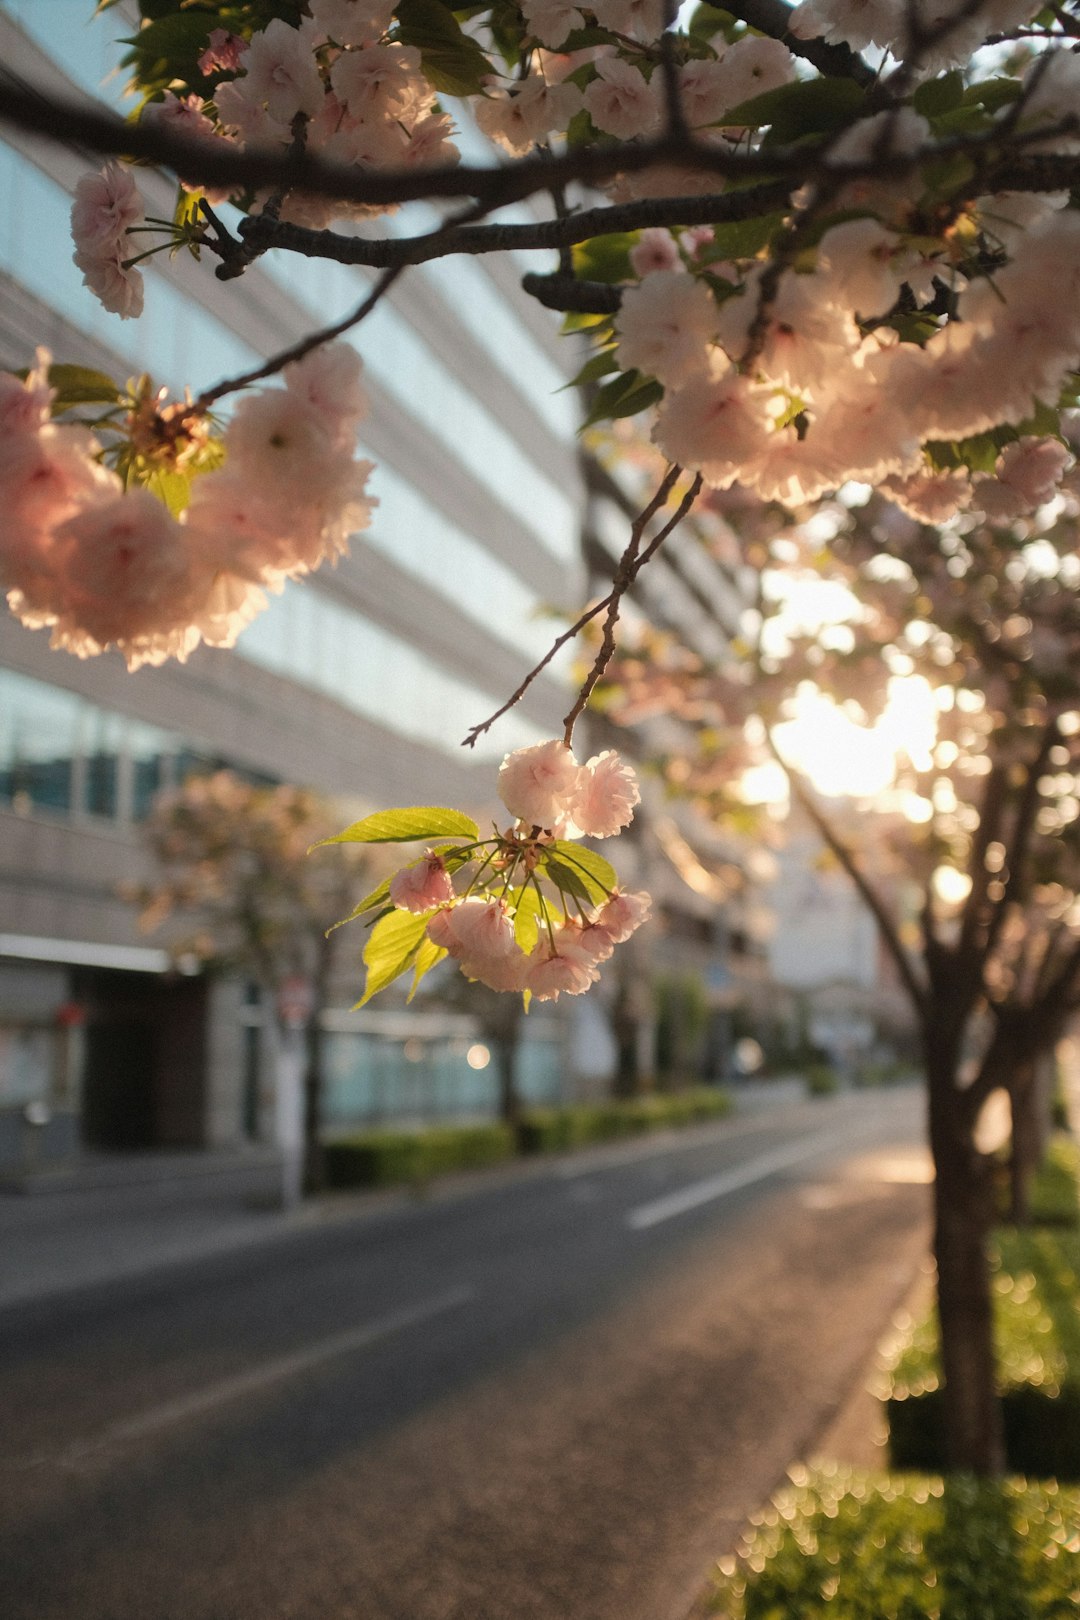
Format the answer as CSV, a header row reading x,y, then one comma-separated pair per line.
x,y
549,1397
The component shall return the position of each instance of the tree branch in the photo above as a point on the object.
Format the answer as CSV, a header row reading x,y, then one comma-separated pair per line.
x,y
260,234
218,164
630,564
1021,837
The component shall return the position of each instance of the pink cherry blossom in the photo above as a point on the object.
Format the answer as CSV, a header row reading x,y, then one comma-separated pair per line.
x,y
328,380
624,913
517,120
566,969
714,424
641,19
382,81
656,249
353,22
281,72
539,784
479,930
621,101
665,325
422,886
222,53
551,21
606,796
105,208
1033,468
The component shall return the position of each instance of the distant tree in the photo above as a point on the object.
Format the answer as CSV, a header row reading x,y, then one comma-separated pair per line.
x,y
234,866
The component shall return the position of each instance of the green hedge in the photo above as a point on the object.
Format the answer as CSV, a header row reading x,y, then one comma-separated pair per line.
x,y
821,1080
1036,1286
841,1546
381,1158
554,1130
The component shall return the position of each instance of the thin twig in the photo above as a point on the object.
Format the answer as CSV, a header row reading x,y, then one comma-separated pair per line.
x,y
624,578
297,351
619,586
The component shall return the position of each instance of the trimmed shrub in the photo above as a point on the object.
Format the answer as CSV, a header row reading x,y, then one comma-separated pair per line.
x,y
842,1546
383,1158
554,1130
821,1080
1037,1333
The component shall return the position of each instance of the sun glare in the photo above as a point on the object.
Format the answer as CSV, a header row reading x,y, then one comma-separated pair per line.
x,y
843,758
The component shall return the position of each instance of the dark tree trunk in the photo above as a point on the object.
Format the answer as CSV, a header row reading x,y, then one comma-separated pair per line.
x,y
314,1046
506,1049
963,1214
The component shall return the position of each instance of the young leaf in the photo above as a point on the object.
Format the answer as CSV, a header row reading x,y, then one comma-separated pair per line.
x,y
595,368
172,488
79,385
453,62
624,395
803,107
392,946
605,258
566,878
597,874
428,956
527,921
377,897
402,826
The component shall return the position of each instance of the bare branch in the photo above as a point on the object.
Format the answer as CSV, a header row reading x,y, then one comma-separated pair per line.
x,y
1015,859
629,566
723,208
297,351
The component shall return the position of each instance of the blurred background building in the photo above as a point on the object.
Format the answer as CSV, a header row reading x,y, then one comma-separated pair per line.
x,y
361,681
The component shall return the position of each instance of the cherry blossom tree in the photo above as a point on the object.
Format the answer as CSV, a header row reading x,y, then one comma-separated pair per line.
x,y
239,890
968,856
813,244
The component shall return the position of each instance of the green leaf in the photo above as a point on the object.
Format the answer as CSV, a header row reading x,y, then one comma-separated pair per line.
x,y
979,453
599,366
527,918
566,878
402,826
605,258
378,897
742,238
624,395
993,94
804,107
392,946
428,956
941,95
598,875
79,385
452,62
172,488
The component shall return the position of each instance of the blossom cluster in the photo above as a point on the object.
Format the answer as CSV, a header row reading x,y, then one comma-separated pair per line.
x,y
529,910
89,549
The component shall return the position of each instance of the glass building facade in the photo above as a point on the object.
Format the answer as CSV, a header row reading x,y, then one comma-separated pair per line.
x,y
361,681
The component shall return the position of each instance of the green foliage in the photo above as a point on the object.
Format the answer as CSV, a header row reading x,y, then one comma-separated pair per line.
x,y
799,109
821,1080
382,1158
405,826
838,1545
392,947
1036,1287
625,395
597,876
452,62
554,1130
605,258
79,385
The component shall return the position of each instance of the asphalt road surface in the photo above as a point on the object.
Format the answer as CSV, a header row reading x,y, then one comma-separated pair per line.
x,y
549,1397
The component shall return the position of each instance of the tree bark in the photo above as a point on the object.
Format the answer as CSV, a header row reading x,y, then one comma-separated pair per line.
x,y
963,1214
1026,1146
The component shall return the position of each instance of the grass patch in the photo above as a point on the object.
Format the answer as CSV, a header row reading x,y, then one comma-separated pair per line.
x,y
838,1545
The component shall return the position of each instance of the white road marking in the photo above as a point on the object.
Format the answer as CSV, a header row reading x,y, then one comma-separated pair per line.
x,y
728,1181
259,1378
